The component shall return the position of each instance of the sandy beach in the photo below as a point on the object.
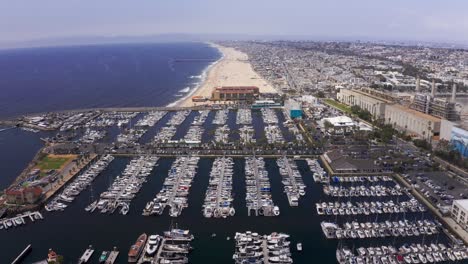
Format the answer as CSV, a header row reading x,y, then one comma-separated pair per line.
x,y
232,70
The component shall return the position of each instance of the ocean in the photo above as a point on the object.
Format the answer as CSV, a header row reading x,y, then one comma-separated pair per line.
x,y
61,78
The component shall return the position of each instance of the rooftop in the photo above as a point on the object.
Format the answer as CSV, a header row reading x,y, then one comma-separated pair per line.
x,y
462,203
416,113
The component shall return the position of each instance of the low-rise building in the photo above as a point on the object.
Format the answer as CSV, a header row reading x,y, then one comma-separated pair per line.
x,y
293,108
339,125
235,93
460,212
23,195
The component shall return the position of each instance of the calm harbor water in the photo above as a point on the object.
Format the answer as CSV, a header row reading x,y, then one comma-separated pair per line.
x,y
71,231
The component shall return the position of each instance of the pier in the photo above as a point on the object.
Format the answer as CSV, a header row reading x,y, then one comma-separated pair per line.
x,y
18,220
114,254
86,255
22,255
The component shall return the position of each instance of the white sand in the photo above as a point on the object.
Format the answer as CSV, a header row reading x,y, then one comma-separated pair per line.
x,y
232,70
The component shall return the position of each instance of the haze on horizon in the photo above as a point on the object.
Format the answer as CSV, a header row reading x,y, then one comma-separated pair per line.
x,y
397,20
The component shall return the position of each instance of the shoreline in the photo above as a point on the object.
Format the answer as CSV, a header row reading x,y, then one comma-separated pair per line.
x,y
232,69
204,76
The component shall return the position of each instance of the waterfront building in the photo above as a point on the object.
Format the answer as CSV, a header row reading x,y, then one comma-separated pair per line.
x,y
340,125
460,212
23,195
413,122
265,104
342,163
293,108
199,99
367,101
235,93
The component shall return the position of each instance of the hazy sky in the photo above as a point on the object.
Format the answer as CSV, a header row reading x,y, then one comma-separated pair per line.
x,y
432,20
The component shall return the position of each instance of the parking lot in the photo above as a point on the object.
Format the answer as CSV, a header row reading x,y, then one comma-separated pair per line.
x,y
439,187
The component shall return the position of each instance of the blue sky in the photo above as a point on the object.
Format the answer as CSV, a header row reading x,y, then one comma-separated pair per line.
x,y
427,20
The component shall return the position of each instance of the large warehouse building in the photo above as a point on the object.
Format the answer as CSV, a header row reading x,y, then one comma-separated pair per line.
x,y
235,93
367,101
413,122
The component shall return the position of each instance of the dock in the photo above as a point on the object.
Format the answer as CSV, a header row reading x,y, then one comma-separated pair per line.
x,y
112,256
160,250
18,220
22,255
265,251
86,255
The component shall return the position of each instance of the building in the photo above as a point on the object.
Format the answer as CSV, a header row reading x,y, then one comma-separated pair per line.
x,y
439,107
341,163
413,122
23,195
235,93
343,125
199,99
265,104
340,125
456,135
460,212
293,108
367,101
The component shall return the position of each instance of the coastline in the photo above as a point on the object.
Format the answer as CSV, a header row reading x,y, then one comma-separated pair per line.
x,y
204,74
232,69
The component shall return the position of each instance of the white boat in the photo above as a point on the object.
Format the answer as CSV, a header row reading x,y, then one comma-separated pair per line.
x,y
153,244
299,246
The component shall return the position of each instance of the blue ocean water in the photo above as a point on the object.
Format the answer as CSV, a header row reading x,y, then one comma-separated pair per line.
x,y
61,78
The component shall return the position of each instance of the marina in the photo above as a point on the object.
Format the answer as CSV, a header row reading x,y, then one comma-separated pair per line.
x,y
258,197
413,253
247,134
270,187
218,197
201,118
369,207
222,134
254,248
178,118
292,180
175,189
81,182
151,119
221,117
125,187
244,116
362,191
403,228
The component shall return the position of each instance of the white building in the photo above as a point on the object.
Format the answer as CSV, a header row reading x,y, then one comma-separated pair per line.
x,y
340,124
373,104
412,122
460,212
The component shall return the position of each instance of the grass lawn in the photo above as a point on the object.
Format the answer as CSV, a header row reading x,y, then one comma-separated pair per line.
x,y
338,105
54,162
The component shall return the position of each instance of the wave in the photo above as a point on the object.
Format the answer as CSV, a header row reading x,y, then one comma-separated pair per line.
x,y
195,76
202,78
185,90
